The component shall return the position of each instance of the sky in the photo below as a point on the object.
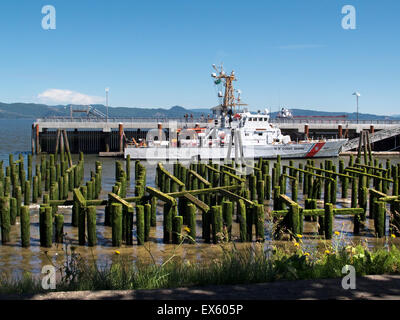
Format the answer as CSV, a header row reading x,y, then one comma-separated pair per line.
x,y
150,53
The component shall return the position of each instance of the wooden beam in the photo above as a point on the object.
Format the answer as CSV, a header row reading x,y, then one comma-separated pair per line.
x,y
121,201
200,204
349,211
199,177
286,199
57,142
81,199
203,191
171,176
232,169
234,176
330,172
236,197
369,175
161,195
212,168
67,147
308,172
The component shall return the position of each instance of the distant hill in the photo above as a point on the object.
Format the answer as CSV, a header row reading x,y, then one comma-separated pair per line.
x,y
33,111
350,116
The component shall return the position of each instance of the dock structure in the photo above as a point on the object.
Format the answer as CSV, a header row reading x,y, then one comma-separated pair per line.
x,y
226,200
108,136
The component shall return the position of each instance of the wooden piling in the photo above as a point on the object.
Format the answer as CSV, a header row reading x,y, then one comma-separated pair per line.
x,y
13,211
191,210
328,221
227,212
380,218
27,193
91,226
25,222
259,222
242,220
147,221
59,228
116,224
217,223
5,219
140,224
177,222
167,223
48,227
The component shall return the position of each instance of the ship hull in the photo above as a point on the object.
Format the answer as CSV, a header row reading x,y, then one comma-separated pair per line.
x,y
328,148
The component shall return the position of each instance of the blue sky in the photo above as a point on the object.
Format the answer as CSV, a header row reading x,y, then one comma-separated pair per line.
x,y
159,53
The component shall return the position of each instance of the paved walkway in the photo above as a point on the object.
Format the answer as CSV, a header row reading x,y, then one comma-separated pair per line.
x,y
382,287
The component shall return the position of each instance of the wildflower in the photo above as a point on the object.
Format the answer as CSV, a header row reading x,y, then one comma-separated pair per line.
x,y
327,252
306,254
296,244
337,233
117,252
393,236
300,236
187,229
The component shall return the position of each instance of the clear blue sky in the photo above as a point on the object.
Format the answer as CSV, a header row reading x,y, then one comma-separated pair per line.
x,y
159,53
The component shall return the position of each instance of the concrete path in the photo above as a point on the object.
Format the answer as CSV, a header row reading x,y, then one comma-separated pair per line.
x,y
382,287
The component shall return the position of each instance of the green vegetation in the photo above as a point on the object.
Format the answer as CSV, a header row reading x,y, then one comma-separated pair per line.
x,y
255,264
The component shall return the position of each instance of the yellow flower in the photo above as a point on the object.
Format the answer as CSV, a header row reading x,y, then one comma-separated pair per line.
x,y
296,244
117,252
337,233
327,252
300,236
187,229
393,236
306,254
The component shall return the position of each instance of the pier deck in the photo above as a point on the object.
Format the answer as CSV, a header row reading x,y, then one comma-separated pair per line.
x,y
99,135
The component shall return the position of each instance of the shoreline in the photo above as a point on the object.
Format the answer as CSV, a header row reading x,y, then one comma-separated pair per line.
x,y
371,287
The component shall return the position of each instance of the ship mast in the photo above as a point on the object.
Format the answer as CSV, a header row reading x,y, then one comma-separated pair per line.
x,y
229,100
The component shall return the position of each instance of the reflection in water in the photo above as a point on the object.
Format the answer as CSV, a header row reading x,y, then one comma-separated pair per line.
x,y
16,260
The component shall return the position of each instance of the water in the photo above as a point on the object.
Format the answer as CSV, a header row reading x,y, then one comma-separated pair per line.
x,y
16,138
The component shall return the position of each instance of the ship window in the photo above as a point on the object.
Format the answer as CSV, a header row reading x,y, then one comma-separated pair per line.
x,y
187,137
260,134
155,138
246,134
265,119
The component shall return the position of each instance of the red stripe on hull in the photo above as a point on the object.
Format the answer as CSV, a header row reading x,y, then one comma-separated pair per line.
x,y
318,146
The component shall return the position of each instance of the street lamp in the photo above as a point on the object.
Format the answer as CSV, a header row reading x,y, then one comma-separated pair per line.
x,y
357,94
107,89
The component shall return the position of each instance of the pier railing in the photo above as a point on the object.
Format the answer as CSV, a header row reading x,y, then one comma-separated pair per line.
x,y
124,119
207,120
333,121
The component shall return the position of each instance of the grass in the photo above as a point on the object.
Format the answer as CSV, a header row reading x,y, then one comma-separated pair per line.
x,y
252,265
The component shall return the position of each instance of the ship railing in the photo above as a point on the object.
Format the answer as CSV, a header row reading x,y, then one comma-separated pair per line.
x,y
333,121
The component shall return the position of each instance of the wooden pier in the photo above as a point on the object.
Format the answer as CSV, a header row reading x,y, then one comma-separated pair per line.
x,y
97,135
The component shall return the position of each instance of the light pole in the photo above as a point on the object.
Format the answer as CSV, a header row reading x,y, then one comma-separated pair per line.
x,y
357,94
107,89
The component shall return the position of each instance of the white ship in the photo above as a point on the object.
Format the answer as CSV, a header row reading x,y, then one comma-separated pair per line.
x,y
233,134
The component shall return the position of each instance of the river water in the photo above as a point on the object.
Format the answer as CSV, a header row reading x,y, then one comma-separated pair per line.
x,y
16,138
